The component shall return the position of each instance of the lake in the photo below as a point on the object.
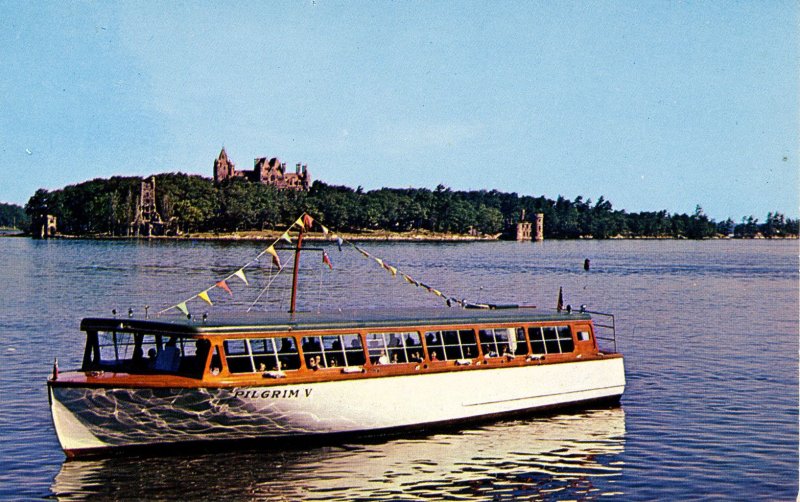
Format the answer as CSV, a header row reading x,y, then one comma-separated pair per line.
x,y
709,331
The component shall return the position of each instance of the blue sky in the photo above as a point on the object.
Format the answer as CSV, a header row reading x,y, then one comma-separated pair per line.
x,y
654,105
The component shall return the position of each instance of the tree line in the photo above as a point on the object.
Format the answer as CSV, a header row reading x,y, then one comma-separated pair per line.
x,y
13,216
197,204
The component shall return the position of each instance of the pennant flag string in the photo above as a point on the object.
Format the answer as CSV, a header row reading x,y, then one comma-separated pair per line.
x,y
391,269
305,223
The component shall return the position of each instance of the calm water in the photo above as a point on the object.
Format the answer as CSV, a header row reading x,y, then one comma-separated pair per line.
x,y
709,330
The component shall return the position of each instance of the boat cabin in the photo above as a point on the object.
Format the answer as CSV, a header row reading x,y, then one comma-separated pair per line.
x,y
314,346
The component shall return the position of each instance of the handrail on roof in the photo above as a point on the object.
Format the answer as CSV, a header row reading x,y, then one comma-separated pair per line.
x,y
610,329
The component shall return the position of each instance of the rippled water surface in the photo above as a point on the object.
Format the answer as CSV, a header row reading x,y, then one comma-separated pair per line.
x,y
709,331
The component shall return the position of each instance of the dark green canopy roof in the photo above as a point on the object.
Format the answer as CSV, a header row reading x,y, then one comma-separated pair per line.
x,y
346,319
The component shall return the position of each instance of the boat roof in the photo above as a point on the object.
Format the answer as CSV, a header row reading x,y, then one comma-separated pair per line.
x,y
343,319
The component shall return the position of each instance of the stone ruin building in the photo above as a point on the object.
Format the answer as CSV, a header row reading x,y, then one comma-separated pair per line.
x,y
525,229
44,226
266,171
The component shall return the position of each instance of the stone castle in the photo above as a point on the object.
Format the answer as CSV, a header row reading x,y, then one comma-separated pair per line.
x,y
268,172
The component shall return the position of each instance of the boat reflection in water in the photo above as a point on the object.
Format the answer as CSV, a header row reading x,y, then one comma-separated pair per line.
x,y
576,455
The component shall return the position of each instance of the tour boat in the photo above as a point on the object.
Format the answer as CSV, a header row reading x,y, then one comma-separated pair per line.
x,y
148,383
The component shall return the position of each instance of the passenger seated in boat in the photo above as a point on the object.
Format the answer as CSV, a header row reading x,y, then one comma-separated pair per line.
x,y
383,359
333,362
487,352
434,356
394,359
506,352
416,358
312,363
169,359
151,358
262,367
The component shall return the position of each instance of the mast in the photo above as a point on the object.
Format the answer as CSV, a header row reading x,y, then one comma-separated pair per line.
x,y
296,268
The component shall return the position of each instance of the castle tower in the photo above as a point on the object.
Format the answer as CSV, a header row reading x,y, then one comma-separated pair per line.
x,y
539,226
223,167
147,217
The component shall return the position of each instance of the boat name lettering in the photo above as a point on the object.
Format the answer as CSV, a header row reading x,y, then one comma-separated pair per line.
x,y
272,394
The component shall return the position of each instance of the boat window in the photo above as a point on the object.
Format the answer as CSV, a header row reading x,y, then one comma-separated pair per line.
x,y
145,353
500,341
333,350
537,342
565,339
452,344
392,348
551,339
517,343
248,355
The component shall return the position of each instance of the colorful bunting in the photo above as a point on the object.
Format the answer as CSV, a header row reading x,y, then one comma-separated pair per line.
x,y
240,274
224,285
275,259
203,295
306,222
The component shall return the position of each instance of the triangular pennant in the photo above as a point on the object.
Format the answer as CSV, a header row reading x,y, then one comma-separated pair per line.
x,y
380,262
390,268
339,242
286,237
436,292
224,285
326,260
240,274
203,295
275,259
363,252
325,230
308,221
409,280
182,307
300,223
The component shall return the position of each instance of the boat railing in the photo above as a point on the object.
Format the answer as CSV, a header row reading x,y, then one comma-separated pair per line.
x,y
605,327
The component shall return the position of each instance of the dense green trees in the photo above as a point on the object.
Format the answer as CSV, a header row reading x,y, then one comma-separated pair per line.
x,y
108,206
13,216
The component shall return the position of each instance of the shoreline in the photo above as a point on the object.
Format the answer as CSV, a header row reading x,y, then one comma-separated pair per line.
x,y
378,236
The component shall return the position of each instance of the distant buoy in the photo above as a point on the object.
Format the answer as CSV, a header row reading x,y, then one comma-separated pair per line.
x,y
586,264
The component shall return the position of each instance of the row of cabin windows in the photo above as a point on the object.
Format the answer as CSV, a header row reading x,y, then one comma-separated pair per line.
x,y
248,355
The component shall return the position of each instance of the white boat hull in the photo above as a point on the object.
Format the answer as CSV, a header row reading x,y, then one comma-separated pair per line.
x,y
87,419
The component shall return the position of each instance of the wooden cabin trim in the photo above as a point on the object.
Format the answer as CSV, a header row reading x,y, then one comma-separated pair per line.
x,y
582,351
